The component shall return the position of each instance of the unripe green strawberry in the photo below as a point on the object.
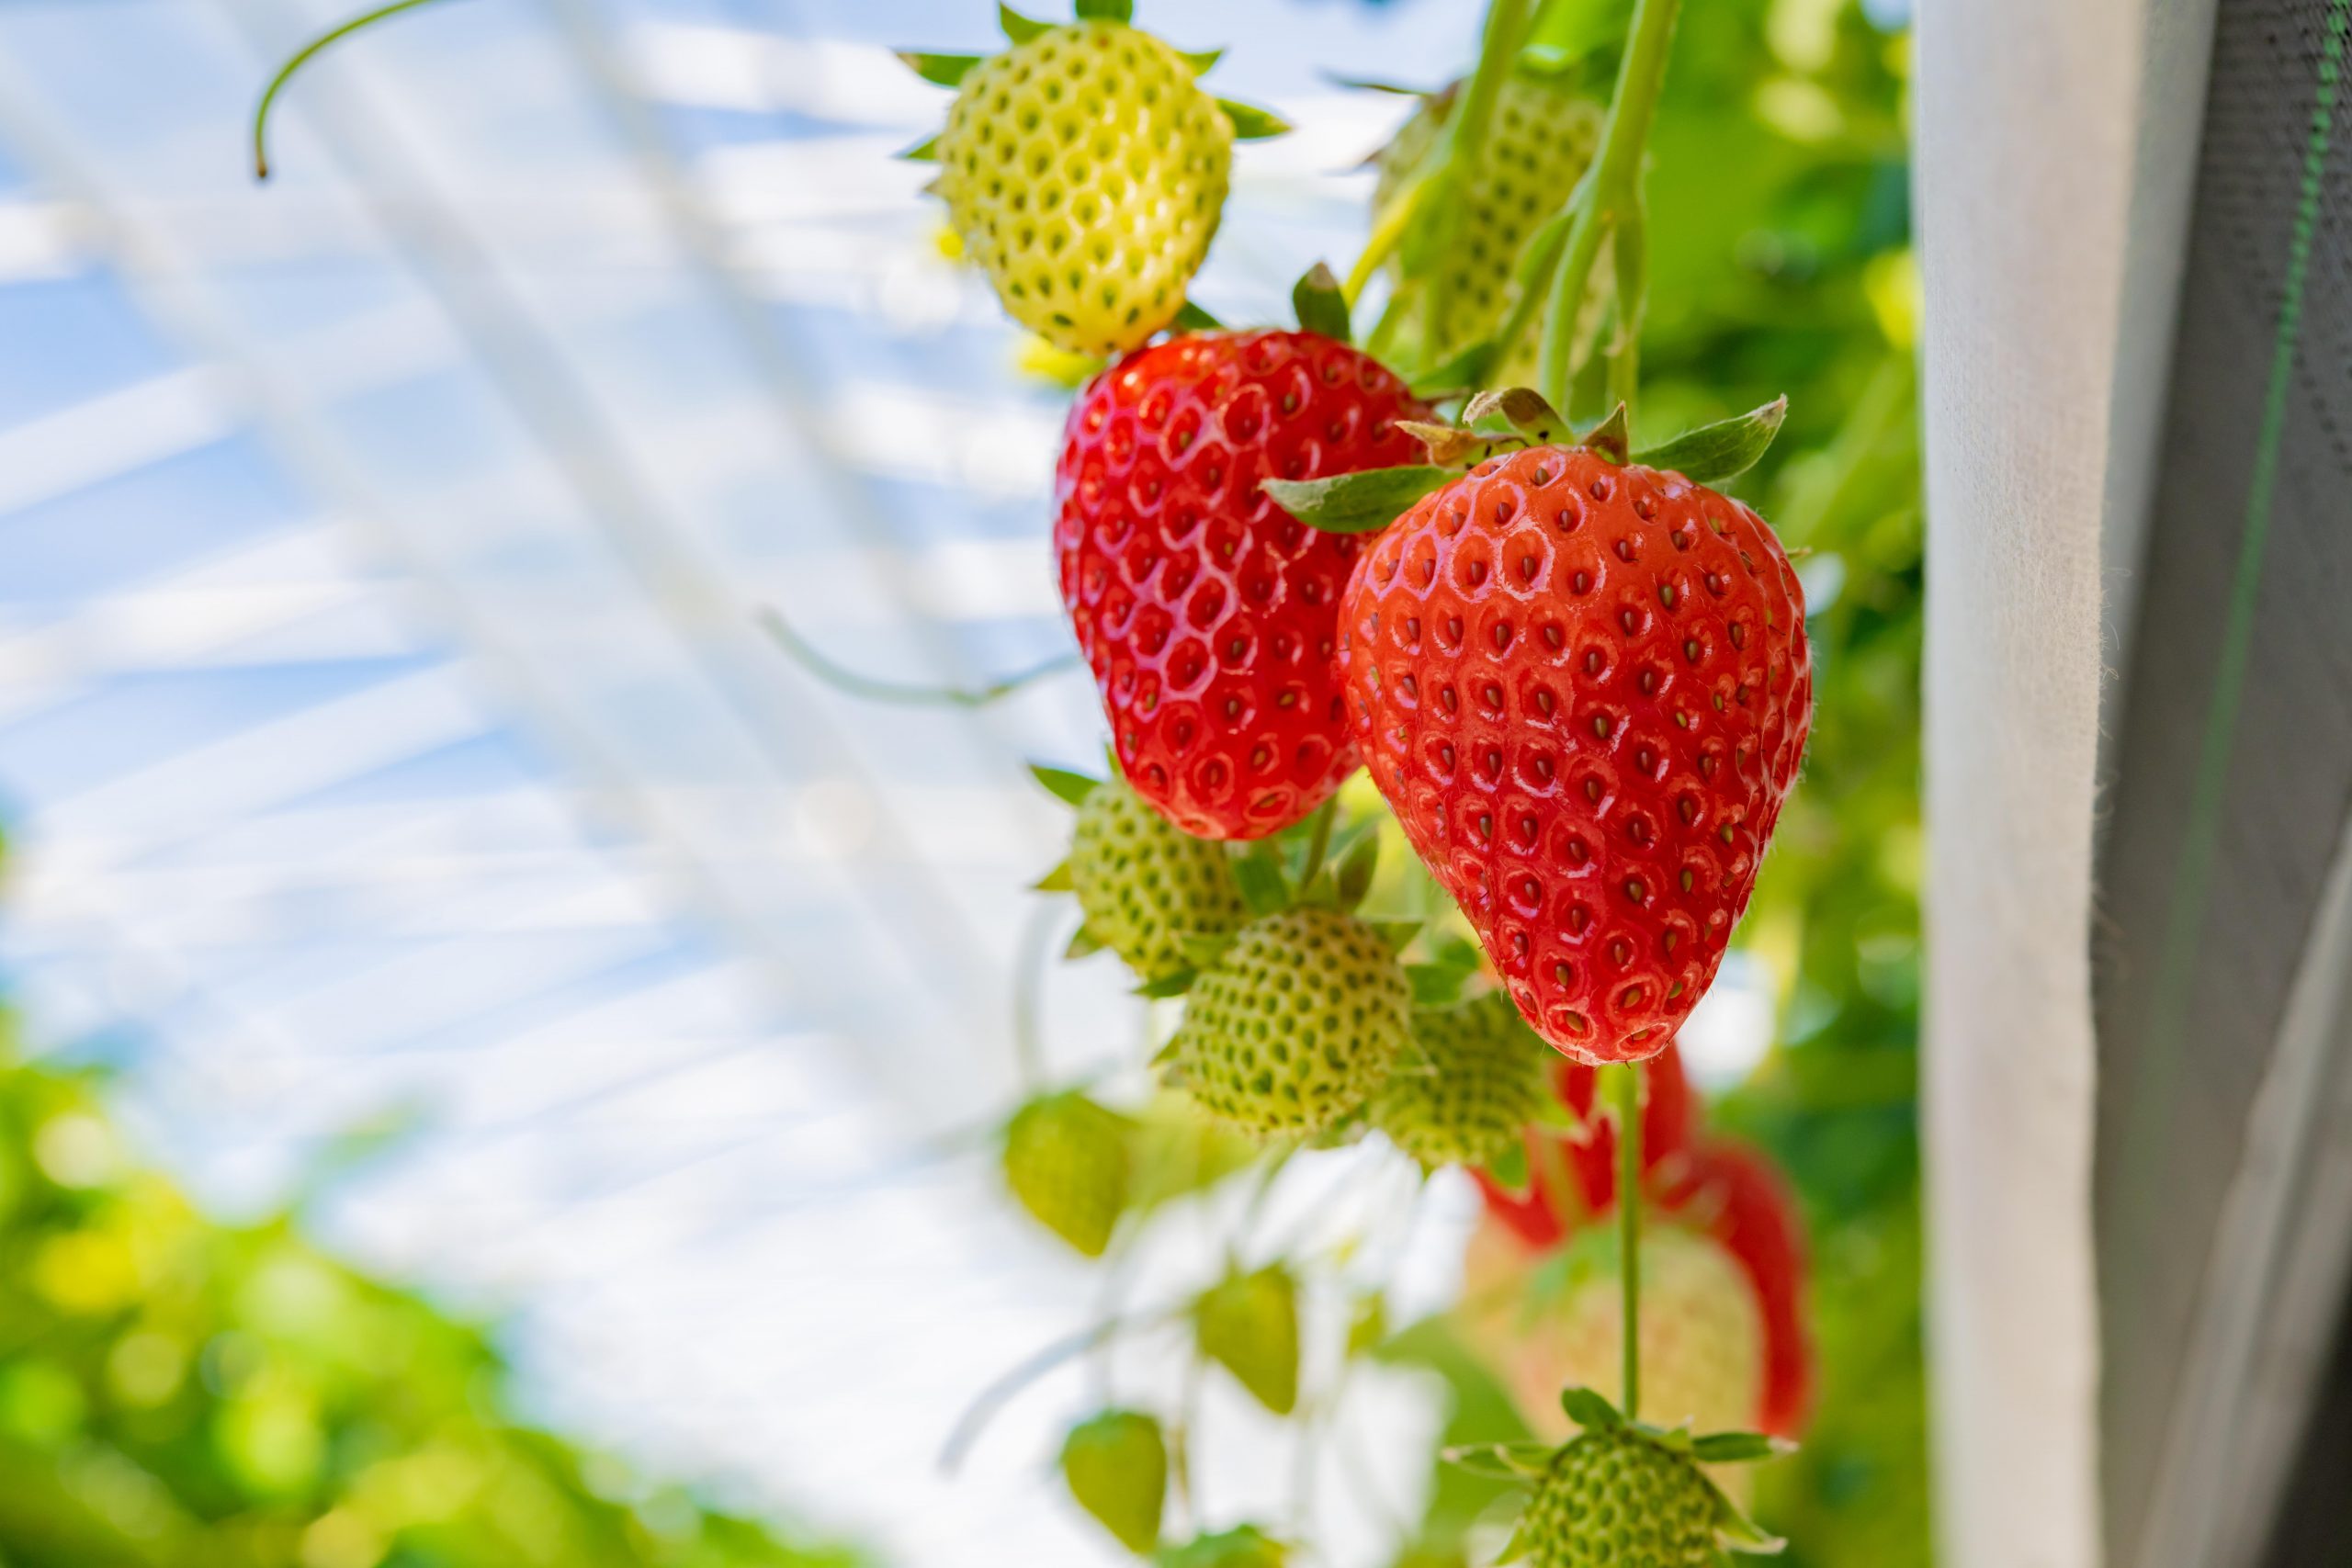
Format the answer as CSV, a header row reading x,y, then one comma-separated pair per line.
x,y
1479,1084
1248,1324
1085,171
1116,1464
1538,143
1145,884
1616,1498
1703,1336
1071,1161
1244,1546
1296,1024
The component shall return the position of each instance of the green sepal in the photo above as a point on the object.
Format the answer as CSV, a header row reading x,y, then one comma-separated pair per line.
x,y
1589,1410
923,151
1515,411
1435,986
1192,318
1673,1439
1251,123
1731,1447
1062,783
1735,1530
1243,1546
1201,61
1723,450
1613,437
1082,944
1167,986
1018,27
1506,1461
1360,502
1264,890
1397,934
1106,10
1202,949
1509,1171
1352,878
1366,84
1055,881
940,70
1517,1548
1322,308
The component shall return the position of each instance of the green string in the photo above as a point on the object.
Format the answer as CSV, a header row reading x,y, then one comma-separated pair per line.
x,y
2200,845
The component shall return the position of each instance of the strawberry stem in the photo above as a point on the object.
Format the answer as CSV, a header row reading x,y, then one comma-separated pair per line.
x,y
1625,1089
1318,842
1610,198
806,654
302,57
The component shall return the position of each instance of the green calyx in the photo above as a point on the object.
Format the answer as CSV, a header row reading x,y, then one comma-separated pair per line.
x,y
1071,1162
1622,1492
1498,422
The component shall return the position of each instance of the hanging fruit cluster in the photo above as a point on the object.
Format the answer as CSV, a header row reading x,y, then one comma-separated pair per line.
x,y
1575,676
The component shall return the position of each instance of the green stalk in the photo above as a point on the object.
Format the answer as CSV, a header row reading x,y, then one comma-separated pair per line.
x,y
302,57
1507,25
1632,258
1626,1090
1318,842
1614,195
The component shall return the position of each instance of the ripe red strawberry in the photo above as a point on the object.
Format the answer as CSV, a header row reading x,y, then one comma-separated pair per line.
x,y
1584,687
1209,614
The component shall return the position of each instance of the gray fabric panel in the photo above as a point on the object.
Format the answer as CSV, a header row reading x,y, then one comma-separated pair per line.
x,y
2175,1092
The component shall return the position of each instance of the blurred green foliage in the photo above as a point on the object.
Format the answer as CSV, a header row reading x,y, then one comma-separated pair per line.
x,y
175,1391
1781,262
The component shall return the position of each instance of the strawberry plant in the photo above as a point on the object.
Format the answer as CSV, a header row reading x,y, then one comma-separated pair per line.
x,y
1452,716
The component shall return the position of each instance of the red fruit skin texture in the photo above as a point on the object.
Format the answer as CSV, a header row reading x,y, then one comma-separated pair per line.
x,y
1209,614
1584,688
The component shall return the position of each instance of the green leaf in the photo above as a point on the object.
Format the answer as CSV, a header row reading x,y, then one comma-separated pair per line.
x,y
1055,881
1369,1326
1201,61
1251,123
923,151
945,70
1359,502
1351,879
1716,452
1321,307
1192,318
1167,986
1243,1546
1116,1464
1589,1410
1397,934
1083,943
1264,889
1072,788
1106,10
1366,84
1730,1448
1610,437
1018,27
1508,1460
